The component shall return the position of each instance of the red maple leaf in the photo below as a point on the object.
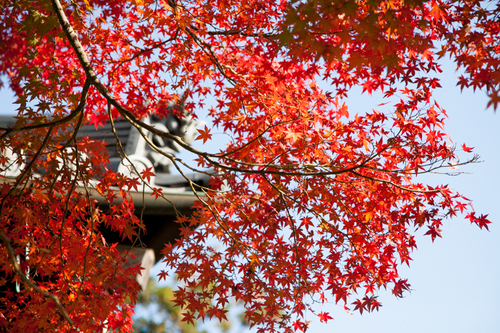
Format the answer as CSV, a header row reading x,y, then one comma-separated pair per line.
x,y
147,174
204,134
494,100
162,275
481,221
129,232
324,317
438,13
434,232
467,149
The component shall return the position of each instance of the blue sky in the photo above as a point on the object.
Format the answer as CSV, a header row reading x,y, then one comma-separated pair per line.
x,y
455,279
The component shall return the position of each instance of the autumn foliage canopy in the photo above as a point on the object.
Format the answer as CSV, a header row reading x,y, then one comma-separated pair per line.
x,y
310,202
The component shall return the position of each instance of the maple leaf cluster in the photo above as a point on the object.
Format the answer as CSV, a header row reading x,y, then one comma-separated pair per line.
x,y
310,203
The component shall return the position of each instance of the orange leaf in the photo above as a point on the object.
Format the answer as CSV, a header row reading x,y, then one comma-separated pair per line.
x,y
204,134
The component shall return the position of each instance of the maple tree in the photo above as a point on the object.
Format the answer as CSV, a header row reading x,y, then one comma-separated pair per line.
x,y
310,203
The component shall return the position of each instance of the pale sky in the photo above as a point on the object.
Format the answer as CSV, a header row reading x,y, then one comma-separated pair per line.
x,y
455,279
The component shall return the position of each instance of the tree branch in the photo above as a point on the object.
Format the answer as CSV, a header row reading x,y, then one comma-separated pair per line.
x,y
17,269
72,115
